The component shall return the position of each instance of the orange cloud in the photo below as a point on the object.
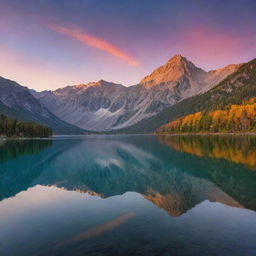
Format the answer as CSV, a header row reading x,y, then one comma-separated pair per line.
x,y
94,42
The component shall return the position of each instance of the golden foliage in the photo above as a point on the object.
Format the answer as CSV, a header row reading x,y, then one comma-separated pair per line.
x,y
235,118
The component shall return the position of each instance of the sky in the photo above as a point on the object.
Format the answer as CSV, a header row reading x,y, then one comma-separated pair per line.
x,y
48,44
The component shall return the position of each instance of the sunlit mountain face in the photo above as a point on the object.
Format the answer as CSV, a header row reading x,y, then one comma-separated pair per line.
x,y
92,194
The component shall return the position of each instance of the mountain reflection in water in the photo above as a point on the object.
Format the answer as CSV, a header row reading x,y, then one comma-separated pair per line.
x,y
169,178
128,195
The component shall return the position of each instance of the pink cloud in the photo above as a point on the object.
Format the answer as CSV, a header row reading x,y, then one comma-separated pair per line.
x,y
213,48
94,42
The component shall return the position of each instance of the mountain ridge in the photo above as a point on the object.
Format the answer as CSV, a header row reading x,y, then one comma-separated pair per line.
x,y
103,106
235,88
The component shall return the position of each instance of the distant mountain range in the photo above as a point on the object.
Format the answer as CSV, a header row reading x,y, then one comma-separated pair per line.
x,y
106,106
174,89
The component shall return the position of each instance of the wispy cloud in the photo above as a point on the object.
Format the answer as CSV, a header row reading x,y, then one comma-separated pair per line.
x,y
213,48
99,230
94,42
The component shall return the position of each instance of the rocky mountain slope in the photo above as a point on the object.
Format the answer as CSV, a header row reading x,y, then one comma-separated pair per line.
x,y
102,105
238,86
16,101
94,105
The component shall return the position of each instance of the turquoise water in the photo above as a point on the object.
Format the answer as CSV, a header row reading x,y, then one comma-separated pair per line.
x,y
128,195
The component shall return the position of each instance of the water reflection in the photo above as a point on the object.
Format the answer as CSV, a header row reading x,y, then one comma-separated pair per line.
x,y
99,230
127,195
104,166
11,149
237,149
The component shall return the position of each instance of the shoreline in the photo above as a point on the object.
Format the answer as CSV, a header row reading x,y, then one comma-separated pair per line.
x,y
209,133
23,138
134,134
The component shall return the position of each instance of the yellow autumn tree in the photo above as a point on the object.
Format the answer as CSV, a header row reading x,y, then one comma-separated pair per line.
x,y
235,118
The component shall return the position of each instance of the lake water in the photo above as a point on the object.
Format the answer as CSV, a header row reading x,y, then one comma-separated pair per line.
x,y
128,195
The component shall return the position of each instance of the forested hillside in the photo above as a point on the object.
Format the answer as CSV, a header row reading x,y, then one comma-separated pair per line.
x,y
13,128
234,118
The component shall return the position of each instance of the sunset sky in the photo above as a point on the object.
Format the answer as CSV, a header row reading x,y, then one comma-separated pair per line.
x,y
47,44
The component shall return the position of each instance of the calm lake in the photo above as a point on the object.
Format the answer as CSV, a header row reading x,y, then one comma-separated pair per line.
x,y
128,195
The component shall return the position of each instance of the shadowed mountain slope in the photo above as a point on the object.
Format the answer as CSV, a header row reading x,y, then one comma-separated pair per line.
x,y
16,101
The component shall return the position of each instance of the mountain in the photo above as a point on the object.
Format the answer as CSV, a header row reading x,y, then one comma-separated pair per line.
x,y
93,106
179,74
103,105
234,89
214,77
174,70
16,101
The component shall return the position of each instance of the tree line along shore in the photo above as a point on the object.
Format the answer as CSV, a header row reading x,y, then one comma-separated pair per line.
x,y
10,127
232,119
